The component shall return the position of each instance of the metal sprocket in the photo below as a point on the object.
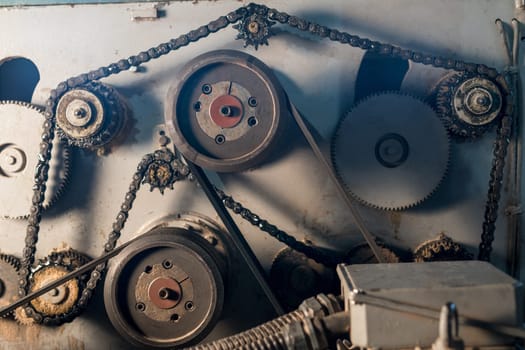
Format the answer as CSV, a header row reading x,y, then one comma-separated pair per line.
x,y
383,158
19,147
469,104
58,305
9,266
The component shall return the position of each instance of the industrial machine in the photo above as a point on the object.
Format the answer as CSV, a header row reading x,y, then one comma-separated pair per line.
x,y
275,175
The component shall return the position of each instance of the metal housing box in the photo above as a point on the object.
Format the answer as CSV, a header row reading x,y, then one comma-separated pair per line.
x,y
479,290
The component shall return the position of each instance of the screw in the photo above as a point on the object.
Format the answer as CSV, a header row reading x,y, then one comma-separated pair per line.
x,y
252,101
197,106
140,306
252,121
226,111
206,89
220,139
189,305
167,264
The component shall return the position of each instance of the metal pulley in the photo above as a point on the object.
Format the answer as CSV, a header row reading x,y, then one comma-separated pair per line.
x,y
166,289
227,111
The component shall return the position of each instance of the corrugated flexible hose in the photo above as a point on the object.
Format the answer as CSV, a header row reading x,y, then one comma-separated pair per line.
x,y
267,336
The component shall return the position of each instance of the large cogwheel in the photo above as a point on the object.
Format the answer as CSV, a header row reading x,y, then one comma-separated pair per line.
x,y
9,266
58,305
20,137
391,151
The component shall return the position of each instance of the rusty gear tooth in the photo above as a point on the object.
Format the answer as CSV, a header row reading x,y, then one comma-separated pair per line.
x,y
441,248
387,131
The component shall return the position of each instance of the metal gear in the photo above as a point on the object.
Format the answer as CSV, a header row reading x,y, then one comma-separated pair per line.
x,y
254,28
91,115
383,158
19,149
442,248
469,104
9,266
362,254
58,305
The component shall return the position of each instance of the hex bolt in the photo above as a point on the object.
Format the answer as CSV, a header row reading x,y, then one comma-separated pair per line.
x,y
206,89
252,101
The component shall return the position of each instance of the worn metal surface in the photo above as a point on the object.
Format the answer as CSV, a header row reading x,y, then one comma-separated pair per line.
x,y
472,286
291,190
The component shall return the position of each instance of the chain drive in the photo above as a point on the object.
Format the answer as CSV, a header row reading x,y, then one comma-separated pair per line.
x,y
249,30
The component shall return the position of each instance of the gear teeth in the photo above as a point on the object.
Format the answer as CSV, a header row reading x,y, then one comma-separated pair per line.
x,y
337,170
22,318
10,279
440,249
441,96
69,259
61,178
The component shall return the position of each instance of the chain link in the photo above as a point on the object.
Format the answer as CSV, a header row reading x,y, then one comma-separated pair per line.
x,y
269,16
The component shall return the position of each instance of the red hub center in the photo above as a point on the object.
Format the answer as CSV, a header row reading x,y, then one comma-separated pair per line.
x,y
165,293
226,111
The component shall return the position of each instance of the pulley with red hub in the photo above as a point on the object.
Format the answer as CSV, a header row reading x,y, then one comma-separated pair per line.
x,y
227,111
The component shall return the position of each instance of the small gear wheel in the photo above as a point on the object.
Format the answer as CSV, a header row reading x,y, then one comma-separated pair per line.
x,y
9,266
362,254
295,277
19,149
442,248
58,305
468,104
254,28
90,116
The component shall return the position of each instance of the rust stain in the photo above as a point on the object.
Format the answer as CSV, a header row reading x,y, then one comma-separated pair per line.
x,y
75,344
15,333
395,219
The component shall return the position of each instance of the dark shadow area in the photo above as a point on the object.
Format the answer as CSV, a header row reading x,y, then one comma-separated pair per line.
x,y
379,73
18,79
